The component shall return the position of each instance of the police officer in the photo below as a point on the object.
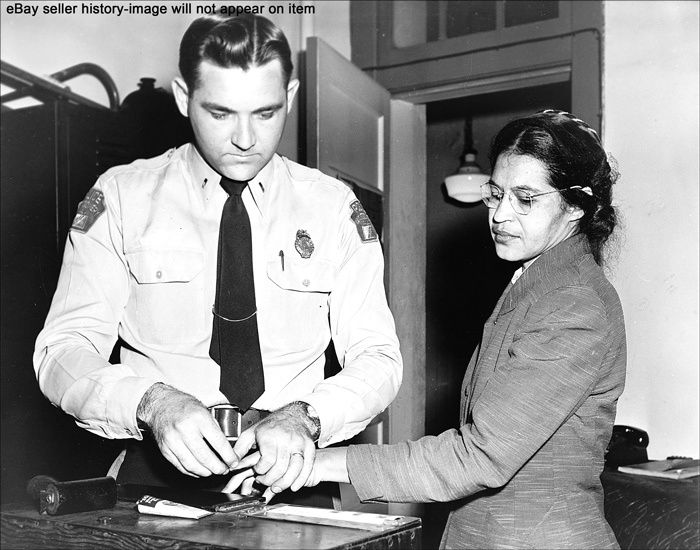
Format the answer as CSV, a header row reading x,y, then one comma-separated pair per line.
x,y
146,260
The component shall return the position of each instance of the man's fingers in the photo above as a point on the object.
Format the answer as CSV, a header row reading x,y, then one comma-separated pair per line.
x,y
307,468
248,461
265,463
180,457
272,467
244,444
188,460
295,466
170,457
216,438
238,479
205,456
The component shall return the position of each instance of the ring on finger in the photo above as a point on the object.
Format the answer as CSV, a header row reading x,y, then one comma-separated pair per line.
x,y
296,453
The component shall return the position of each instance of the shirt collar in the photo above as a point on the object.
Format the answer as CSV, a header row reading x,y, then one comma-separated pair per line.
x,y
517,274
206,179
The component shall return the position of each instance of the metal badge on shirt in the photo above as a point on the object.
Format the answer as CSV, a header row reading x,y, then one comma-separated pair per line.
x,y
303,244
362,222
89,209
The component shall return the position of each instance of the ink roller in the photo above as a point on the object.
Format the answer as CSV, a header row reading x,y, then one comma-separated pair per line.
x,y
67,497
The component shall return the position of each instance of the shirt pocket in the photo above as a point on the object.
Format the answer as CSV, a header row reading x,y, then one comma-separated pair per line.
x,y
168,295
297,312
302,275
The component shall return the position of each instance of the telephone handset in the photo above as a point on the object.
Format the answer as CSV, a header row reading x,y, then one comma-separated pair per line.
x,y
628,445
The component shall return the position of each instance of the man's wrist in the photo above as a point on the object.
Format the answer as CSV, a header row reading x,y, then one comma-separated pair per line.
x,y
145,407
310,416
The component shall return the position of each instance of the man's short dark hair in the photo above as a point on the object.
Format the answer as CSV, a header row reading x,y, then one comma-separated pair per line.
x,y
241,41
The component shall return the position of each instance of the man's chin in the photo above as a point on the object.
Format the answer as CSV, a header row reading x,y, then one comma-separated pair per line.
x,y
241,173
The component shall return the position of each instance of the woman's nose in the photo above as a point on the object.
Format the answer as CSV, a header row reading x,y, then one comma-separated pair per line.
x,y
504,211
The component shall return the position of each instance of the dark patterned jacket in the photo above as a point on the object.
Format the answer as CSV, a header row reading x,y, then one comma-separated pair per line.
x,y
538,407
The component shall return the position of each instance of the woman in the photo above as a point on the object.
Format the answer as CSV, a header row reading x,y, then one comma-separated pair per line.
x,y
540,391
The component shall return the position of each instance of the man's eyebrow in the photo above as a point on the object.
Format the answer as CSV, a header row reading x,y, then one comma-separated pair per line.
x,y
210,106
273,107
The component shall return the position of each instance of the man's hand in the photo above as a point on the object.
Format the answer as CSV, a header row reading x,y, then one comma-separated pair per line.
x,y
186,433
329,465
285,446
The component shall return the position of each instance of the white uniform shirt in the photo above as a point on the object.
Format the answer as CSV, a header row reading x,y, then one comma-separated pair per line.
x,y
145,269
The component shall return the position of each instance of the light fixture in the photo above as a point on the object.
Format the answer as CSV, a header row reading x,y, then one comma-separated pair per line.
x,y
465,184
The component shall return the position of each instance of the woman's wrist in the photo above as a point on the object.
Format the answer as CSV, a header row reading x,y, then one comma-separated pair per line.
x,y
332,464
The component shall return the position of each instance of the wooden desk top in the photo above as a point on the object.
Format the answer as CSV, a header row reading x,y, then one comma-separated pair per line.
x,y
123,527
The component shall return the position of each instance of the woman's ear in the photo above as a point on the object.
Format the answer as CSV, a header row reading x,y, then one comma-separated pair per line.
x,y
575,213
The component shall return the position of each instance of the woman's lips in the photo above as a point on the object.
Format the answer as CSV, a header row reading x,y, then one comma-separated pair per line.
x,y
502,236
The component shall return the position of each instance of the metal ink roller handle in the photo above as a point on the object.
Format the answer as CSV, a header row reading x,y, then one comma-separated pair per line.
x,y
68,497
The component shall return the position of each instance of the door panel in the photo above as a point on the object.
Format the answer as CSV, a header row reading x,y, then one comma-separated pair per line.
x,y
348,118
347,138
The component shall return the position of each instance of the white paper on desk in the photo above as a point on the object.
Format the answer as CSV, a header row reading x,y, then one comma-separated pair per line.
x,y
676,468
159,507
325,516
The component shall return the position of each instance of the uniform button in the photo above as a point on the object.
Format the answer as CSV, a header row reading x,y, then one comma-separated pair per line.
x,y
159,274
306,282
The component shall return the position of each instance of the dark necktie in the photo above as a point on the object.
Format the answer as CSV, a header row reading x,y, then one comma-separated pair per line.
x,y
234,339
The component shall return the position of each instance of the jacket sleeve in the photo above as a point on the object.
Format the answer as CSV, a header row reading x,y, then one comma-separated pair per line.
x,y
72,351
544,376
363,332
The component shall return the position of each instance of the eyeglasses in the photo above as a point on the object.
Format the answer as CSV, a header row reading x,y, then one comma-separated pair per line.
x,y
520,200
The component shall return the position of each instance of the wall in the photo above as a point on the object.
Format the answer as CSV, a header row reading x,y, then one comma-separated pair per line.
x,y
651,127
129,47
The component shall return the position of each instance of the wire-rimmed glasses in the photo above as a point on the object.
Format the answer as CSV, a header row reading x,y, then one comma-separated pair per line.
x,y
520,199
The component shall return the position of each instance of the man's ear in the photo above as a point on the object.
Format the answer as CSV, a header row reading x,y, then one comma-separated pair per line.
x,y
181,95
292,89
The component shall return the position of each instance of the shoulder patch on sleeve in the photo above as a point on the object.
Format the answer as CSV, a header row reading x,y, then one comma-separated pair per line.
x,y
89,209
362,223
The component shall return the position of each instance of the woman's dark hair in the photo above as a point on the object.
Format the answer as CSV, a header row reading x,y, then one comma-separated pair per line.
x,y
574,156
240,41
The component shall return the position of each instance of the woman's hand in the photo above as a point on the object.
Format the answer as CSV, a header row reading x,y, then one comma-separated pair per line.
x,y
329,465
245,477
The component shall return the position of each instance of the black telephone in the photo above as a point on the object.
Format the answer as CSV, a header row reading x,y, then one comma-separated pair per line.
x,y
628,445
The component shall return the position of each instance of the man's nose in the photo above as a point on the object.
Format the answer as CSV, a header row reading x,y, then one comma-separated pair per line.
x,y
243,134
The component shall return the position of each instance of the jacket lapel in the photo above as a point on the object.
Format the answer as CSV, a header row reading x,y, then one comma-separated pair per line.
x,y
477,374
541,274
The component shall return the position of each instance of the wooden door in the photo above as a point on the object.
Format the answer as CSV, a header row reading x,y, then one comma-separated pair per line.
x,y
347,119
357,133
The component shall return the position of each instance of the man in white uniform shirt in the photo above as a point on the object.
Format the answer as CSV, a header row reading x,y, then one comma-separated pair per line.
x,y
141,264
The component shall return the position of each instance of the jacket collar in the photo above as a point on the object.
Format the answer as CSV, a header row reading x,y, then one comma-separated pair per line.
x,y
546,265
